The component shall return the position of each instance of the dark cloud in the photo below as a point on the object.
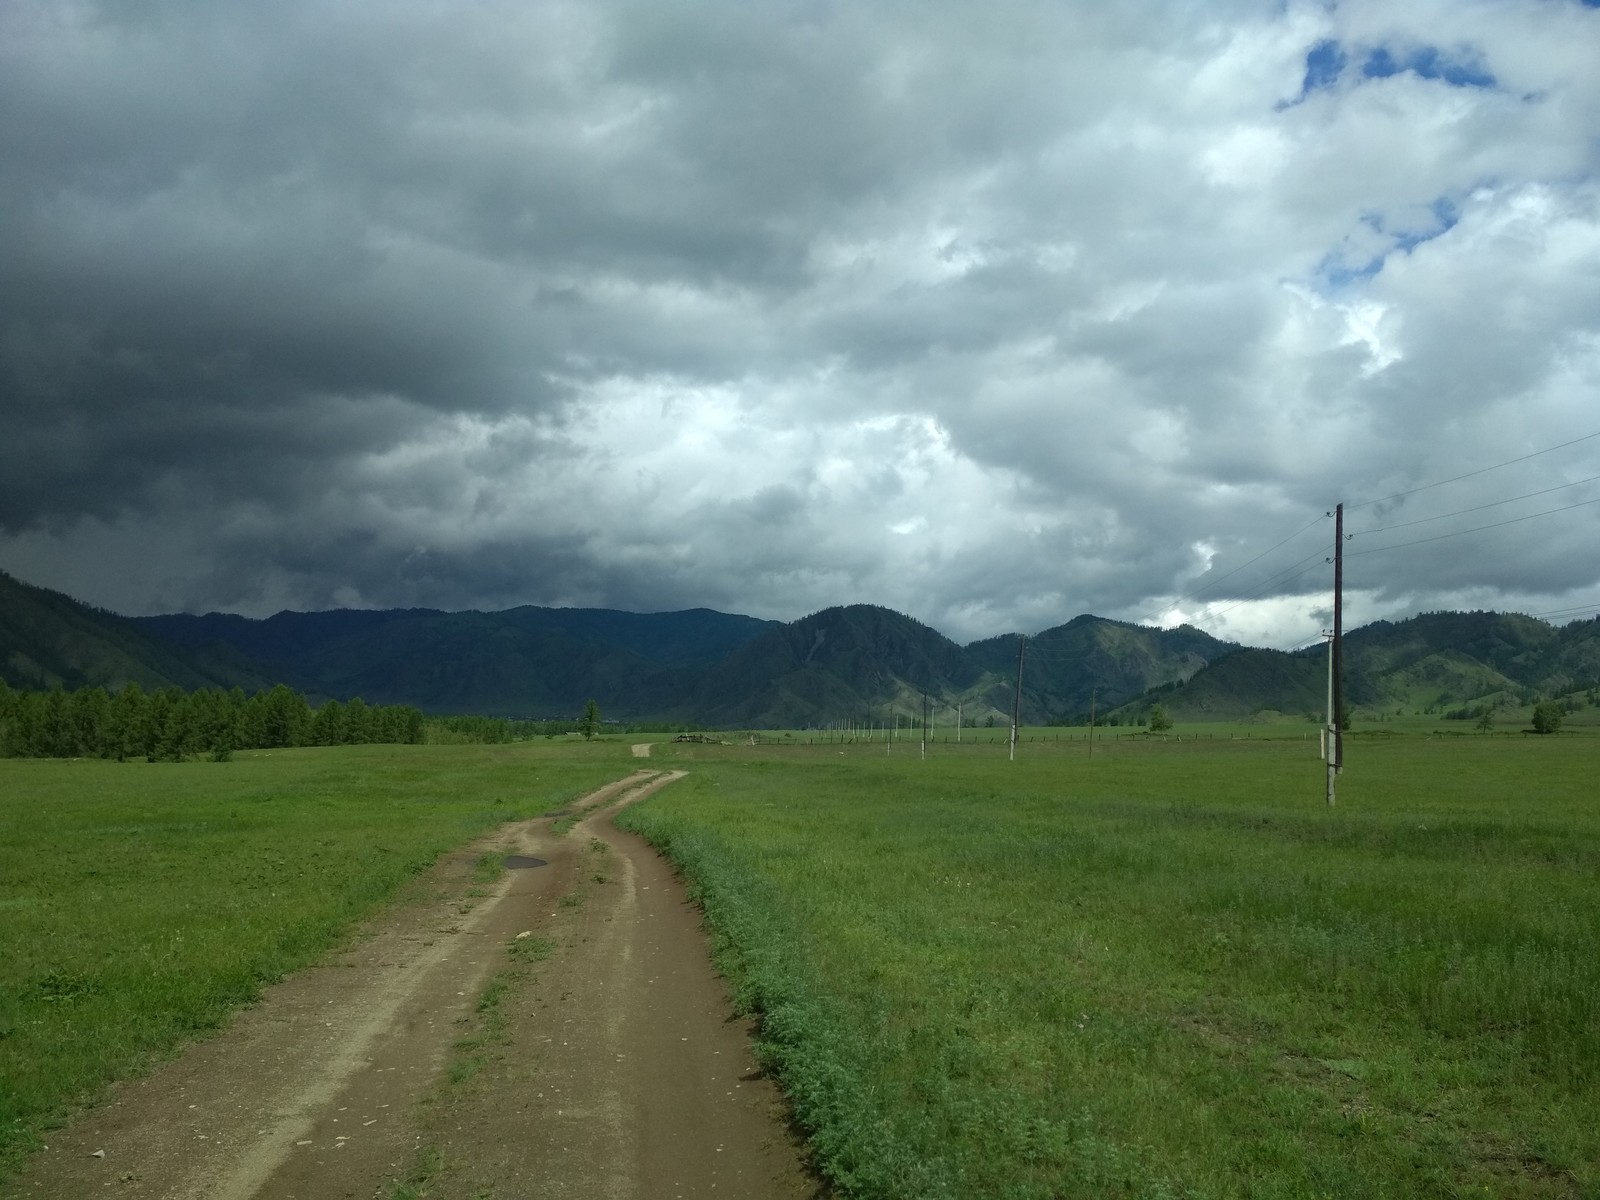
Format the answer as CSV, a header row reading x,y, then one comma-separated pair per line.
x,y
992,316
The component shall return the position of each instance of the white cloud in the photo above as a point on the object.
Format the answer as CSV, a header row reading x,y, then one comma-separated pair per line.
x,y
993,317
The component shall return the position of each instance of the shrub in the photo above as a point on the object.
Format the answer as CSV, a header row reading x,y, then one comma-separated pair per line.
x,y
1547,717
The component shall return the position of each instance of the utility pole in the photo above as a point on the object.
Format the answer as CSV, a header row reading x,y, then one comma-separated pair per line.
x,y
1335,746
1093,692
1338,638
1016,701
958,722
924,724
1327,734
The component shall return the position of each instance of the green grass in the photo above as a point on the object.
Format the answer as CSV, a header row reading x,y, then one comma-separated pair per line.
x,y
1171,971
141,904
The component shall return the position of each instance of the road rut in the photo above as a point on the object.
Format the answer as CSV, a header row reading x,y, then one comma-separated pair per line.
x,y
618,1073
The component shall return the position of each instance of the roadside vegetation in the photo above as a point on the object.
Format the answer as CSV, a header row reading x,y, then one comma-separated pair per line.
x,y
1170,970
142,903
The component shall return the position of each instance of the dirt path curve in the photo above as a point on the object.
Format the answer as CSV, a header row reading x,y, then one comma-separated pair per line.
x,y
630,1078
333,1085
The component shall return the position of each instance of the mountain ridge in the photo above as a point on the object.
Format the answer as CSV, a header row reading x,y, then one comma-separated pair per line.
x,y
859,664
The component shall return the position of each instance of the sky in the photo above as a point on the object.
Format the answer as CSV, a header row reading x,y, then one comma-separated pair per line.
x,y
993,314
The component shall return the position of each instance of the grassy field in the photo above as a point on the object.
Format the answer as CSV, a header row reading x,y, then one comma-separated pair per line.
x,y
1168,971
141,903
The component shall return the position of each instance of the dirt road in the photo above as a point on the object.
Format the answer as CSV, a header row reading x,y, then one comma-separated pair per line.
x,y
604,1065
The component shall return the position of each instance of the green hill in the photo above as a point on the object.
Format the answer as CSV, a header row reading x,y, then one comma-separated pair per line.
x,y
1432,663
1095,659
524,661
47,638
859,663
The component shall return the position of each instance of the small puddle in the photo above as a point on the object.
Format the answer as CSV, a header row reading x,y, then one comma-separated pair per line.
x,y
518,862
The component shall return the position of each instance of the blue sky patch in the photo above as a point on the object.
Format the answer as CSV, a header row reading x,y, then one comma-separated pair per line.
x,y
1428,63
1445,214
1335,273
1324,62
1336,270
1327,61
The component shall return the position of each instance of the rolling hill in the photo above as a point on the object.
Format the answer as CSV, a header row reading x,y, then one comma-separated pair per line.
x,y
1430,663
526,662
49,639
1095,659
855,664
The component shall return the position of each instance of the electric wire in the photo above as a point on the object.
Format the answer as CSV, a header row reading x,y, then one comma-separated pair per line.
x,y
1470,474
1291,574
1560,487
1476,529
1277,583
1593,607
1201,591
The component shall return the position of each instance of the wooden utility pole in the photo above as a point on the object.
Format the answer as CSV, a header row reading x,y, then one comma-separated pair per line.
x,y
1016,701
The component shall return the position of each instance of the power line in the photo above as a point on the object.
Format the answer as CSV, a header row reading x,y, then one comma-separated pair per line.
x,y
1301,644
1198,592
1480,471
1561,612
1476,529
1479,507
1273,583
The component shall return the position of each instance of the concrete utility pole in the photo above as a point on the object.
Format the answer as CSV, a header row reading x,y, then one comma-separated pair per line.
x,y
1016,701
1327,734
1335,746
1338,638
924,724
958,722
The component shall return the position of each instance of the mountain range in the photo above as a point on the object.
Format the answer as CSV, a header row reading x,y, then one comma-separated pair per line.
x,y
857,664
1439,663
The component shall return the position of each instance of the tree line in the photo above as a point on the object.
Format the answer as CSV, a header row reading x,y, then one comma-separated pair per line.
x,y
171,724
492,730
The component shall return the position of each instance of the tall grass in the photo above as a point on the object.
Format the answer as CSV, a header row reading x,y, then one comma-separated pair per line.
x,y
1168,971
141,903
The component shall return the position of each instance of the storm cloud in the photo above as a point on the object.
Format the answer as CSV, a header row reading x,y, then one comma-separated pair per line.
x,y
994,316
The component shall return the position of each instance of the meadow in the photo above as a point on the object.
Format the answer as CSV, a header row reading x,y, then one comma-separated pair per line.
x,y
142,903
1170,970
1166,970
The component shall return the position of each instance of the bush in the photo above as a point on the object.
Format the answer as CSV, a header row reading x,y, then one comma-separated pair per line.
x,y
1547,717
